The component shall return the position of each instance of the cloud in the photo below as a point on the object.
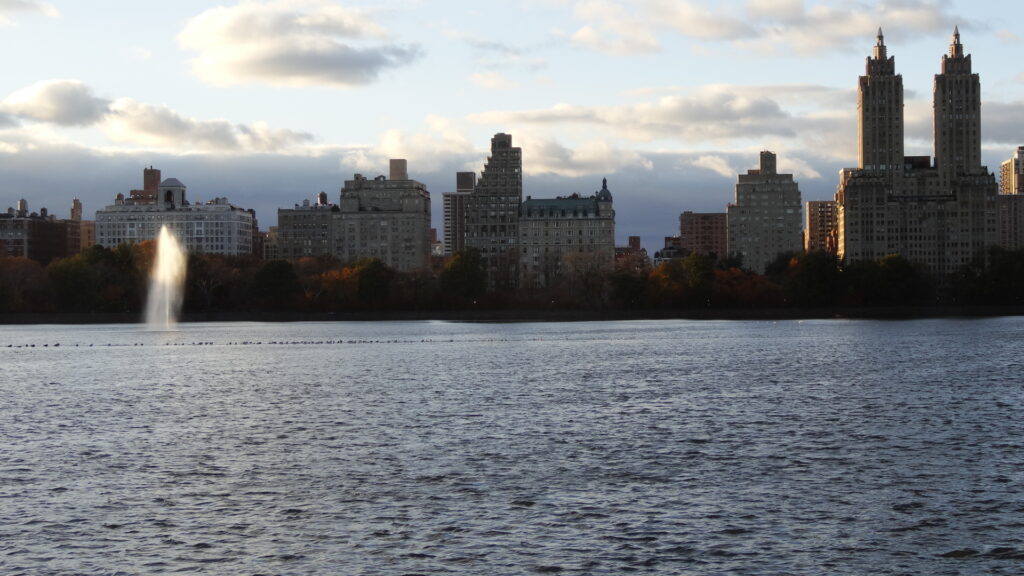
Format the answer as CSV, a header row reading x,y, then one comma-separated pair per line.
x,y
716,164
7,121
543,155
1007,36
493,81
712,113
695,21
63,102
800,169
493,54
613,29
808,28
1001,123
442,143
161,127
818,27
289,43
140,53
30,6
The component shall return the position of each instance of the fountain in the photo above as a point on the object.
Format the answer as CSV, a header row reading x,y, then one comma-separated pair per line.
x,y
166,283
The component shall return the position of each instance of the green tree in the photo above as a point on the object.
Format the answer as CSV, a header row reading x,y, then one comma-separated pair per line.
x,y
24,286
811,279
463,280
275,286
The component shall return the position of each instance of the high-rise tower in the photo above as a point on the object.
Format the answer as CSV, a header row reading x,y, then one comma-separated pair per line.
x,y
764,219
880,113
492,213
957,114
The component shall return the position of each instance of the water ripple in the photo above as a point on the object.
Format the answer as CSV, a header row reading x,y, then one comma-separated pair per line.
x,y
839,447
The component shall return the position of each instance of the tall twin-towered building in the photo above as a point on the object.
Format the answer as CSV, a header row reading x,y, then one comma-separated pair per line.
x,y
940,214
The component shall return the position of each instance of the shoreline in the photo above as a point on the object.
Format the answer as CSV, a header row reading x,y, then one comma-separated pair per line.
x,y
538,315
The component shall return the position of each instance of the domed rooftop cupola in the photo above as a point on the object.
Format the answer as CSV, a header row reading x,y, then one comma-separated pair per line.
x,y
604,195
172,193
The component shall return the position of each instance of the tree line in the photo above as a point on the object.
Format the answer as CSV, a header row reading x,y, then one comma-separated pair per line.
x,y
101,280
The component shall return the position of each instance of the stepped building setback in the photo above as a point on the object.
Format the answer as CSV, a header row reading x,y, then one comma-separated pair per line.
x,y
532,243
492,213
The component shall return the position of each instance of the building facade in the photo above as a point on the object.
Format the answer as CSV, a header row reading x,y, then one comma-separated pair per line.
x,y
939,214
1011,174
307,230
215,227
384,218
706,233
564,236
37,236
492,213
455,212
1010,202
820,226
764,218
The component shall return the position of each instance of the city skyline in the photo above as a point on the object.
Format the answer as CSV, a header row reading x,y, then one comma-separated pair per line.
x,y
266,102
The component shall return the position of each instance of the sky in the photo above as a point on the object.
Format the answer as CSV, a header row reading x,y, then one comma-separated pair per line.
x,y
268,102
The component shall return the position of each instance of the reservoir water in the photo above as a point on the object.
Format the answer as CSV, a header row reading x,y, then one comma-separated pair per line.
x,y
656,447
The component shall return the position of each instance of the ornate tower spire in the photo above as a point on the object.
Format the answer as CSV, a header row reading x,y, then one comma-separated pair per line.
x,y
957,114
880,107
956,49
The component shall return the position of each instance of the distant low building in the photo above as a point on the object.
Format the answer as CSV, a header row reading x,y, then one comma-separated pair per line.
x,y
706,233
1011,174
670,251
820,217
308,229
632,257
455,212
38,236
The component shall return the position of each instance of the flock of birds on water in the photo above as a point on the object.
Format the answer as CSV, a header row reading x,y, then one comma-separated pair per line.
x,y
239,343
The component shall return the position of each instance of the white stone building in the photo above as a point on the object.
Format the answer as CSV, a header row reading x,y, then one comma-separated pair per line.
x,y
214,227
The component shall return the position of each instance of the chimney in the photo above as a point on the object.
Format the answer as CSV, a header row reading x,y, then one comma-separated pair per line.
x,y
465,181
151,180
399,170
767,163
